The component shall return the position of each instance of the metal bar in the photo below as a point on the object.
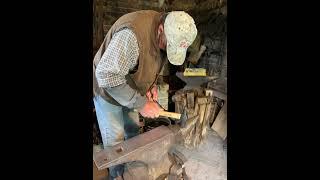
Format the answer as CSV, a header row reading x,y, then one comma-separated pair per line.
x,y
146,147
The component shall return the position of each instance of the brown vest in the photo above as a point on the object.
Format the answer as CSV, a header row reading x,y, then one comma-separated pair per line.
x,y
144,24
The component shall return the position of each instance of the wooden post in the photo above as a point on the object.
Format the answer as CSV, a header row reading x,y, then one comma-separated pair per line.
x,y
98,34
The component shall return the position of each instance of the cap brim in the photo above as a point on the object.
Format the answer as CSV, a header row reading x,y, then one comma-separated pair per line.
x,y
176,55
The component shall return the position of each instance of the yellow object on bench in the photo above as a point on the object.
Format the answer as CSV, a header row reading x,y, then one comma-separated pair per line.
x,y
194,72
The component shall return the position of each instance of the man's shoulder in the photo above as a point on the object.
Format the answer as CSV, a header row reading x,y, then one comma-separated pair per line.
x,y
144,12
126,32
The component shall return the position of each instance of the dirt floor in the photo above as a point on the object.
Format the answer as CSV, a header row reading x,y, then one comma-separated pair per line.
x,y
99,175
102,174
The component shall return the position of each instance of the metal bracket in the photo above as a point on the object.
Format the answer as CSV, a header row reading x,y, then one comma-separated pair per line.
x,y
177,170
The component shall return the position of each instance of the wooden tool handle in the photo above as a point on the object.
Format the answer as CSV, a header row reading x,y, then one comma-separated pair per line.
x,y
170,114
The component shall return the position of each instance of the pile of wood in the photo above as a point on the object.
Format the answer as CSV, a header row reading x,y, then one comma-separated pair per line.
x,y
204,111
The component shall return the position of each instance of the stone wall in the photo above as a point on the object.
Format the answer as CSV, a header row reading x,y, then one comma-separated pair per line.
x,y
106,12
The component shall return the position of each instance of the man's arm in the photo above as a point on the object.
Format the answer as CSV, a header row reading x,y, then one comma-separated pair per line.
x,y
127,96
120,56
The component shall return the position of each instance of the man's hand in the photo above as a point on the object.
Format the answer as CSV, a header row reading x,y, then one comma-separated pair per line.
x,y
153,95
150,110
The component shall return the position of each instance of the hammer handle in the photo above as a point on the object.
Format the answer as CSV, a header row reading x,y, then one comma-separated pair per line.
x,y
170,114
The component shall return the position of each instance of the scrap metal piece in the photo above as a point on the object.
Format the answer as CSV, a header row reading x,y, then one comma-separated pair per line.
x,y
177,171
178,156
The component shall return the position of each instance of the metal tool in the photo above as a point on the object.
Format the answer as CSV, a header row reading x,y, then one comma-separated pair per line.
x,y
180,118
154,148
170,114
177,170
194,81
143,147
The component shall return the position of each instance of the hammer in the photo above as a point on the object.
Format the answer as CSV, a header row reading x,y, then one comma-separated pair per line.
x,y
181,119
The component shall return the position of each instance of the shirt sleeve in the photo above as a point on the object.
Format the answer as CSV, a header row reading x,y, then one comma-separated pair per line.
x,y
120,56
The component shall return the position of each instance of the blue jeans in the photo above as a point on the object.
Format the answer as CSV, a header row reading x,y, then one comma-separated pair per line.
x,y
116,125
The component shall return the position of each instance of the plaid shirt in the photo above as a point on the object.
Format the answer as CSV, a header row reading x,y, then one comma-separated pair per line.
x,y
120,56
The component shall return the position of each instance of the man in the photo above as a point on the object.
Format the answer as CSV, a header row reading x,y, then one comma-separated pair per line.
x,y
126,66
